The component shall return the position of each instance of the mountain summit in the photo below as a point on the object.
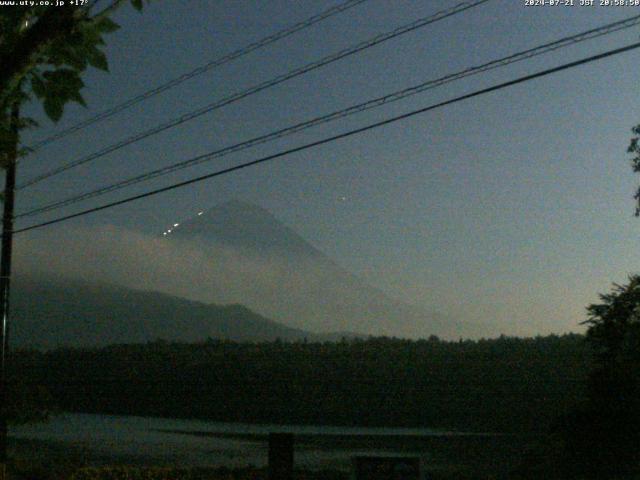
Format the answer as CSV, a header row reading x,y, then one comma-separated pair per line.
x,y
247,226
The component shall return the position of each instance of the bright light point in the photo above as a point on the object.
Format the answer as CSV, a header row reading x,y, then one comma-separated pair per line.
x,y
169,231
164,233
200,213
175,225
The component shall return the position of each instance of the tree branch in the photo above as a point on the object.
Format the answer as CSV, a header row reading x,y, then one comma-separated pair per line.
x,y
54,23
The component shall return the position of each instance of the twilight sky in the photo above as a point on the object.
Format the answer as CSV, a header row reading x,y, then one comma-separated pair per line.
x,y
514,207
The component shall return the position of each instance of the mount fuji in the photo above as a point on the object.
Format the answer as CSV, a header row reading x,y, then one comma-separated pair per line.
x,y
275,272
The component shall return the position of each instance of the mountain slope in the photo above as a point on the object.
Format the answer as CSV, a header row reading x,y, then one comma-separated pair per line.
x,y
277,273
50,313
247,227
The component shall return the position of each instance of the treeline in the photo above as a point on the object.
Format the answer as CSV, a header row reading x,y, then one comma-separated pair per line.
x,y
504,385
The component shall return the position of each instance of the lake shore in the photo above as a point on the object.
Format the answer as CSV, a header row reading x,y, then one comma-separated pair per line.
x,y
92,441
46,460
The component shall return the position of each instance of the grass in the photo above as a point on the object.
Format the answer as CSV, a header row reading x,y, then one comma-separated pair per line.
x,y
458,458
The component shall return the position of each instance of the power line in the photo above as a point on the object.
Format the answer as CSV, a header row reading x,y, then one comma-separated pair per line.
x,y
258,88
200,70
389,98
340,136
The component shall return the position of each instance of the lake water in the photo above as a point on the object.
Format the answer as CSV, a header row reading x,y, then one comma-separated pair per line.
x,y
152,440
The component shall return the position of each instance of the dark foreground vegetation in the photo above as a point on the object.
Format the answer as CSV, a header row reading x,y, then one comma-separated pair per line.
x,y
501,385
581,395
36,460
566,397
459,460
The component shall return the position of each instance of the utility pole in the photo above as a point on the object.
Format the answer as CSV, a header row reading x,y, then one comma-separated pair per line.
x,y
5,280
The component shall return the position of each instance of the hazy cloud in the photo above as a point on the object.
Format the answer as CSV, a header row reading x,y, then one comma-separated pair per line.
x,y
299,292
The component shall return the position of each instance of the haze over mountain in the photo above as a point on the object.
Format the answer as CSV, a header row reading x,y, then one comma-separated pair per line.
x,y
300,285
50,313
235,253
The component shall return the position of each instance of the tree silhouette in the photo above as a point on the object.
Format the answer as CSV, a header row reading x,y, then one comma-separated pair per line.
x,y
634,148
601,438
43,52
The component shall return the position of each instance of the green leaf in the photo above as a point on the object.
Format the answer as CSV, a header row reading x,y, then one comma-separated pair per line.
x,y
53,107
97,59
77,97
61,86
63,81
26,123
70,54
105,25
37,85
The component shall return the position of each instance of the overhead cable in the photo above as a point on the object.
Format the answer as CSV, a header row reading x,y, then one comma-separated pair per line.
x,y
361,107
199,71
257,88
334,138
